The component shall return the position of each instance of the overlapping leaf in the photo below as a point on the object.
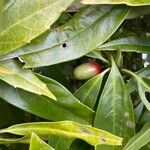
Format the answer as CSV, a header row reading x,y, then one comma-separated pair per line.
x,y
88,93
140,139
128,44
11,72
143,86
68,129
67,107
60,143
128,2
36,143
24,20
86,31
115,113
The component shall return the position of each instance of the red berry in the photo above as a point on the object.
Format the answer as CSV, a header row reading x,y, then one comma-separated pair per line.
x,y
87,70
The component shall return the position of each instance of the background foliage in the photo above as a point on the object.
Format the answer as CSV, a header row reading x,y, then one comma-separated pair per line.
x,y
44,105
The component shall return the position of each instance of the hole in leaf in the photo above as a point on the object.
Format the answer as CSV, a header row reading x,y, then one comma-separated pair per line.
x,y
64,45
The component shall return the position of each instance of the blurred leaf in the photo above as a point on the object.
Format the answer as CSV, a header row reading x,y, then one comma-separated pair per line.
x,y
1,8
91,87
115,111
11,72
37,144
60,143
67,129
145,117
140,139
128,2
9,115
25,19
138,11
67,107
128,44
138,111
65,44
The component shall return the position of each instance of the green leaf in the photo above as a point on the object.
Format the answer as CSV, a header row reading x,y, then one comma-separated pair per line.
x,y
1,8
67,129
132,85
60,143
140,139
36,143
128,44
67,107
97,55
128,2
142,91
11,72
81,35
91,87
138,11
115,111
26,19
143,87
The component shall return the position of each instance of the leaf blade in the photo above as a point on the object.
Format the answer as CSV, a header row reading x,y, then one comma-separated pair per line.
x,y
12,73
68,129
78,28
17,30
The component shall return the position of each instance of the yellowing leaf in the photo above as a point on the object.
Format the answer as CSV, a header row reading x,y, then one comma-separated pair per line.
x,y
128,2
12,73
67,129
24,20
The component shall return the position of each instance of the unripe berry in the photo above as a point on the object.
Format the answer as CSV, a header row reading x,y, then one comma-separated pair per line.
x,y
87,70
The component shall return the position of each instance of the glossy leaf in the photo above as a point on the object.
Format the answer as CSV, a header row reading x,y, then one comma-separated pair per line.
x,y
128,2
25,19
11,72
140,139
65,44
36,143
68,129
91,87
115,113
128,44
67,107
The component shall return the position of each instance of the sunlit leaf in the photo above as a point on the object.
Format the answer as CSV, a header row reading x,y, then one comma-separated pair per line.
x,y
37,144
11,72
23,20
128,2
68,129
81,35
